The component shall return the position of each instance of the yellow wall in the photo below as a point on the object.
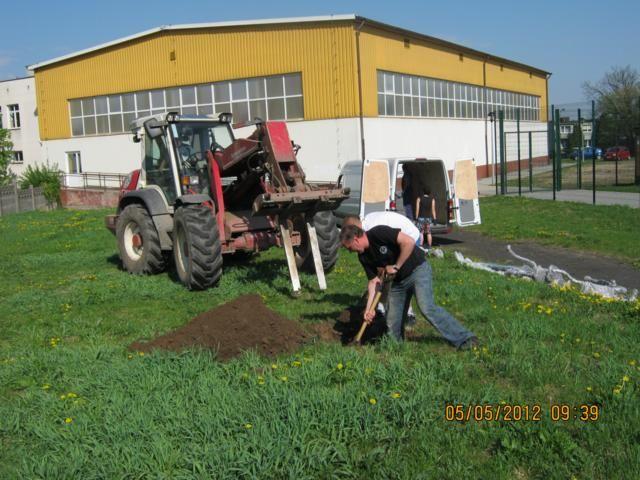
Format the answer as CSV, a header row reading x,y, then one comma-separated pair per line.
x,y
386,50
323,53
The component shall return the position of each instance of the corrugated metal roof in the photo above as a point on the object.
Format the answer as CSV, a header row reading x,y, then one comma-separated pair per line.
x,y
190,26
276,21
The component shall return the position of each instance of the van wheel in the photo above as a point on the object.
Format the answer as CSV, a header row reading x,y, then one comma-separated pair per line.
x,y
328,242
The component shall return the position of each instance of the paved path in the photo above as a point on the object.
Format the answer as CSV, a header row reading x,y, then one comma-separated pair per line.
x,y
577,263
630,199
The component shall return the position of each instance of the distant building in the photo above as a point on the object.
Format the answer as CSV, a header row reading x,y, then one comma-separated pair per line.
x,y
19,115
567,128
347,86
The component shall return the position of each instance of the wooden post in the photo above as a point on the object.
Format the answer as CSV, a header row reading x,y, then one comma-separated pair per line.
x,y
33,197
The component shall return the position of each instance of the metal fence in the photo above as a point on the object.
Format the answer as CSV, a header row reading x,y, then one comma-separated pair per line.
x,y
14,199
92,180
573,152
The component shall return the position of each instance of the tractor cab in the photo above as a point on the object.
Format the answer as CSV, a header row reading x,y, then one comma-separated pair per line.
x,y
175,152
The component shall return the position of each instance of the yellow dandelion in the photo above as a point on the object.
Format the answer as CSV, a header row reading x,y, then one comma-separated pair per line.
x,y
373,401
562,335
502,402
625,378
368,371
260,382
340,366
46,386
589,389
274,366
245,375
596,355
632,363
284,379
72,395
296,364
578,340
248,426
62,397
395,395
141,354
68,420
129,356
616,391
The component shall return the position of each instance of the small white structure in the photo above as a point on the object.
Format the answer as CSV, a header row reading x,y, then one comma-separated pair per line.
x,y
19,115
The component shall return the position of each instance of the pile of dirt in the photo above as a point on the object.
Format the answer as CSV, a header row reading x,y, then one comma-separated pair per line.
x,y
242,324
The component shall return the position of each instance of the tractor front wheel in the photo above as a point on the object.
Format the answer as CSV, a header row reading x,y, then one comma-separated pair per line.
x,y
196,247
138,241
328,241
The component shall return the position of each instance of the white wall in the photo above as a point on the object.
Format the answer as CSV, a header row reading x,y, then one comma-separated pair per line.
x,y
103,154
26,138
448,139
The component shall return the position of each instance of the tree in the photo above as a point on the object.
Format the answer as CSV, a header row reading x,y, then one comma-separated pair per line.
x,y
617,95
6,155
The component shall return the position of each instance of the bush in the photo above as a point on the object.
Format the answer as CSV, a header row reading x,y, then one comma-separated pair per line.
x,y
46,177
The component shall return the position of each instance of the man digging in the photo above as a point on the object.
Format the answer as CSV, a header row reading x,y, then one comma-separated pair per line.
x,y
387,248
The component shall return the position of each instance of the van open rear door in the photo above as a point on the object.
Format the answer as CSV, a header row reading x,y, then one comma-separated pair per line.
x,y
374,195
465,184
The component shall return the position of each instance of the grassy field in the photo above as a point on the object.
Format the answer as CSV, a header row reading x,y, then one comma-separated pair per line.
x,y
75,403
608,229
605,177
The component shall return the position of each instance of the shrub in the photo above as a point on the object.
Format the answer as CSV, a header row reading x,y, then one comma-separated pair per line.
x,y
46,177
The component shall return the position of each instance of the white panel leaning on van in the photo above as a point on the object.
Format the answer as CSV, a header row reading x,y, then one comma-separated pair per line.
x,y
376,185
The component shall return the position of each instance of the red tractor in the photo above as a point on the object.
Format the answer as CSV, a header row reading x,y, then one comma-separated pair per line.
x,y
201,193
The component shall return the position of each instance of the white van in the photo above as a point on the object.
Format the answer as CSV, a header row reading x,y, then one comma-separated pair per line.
x,y
376,185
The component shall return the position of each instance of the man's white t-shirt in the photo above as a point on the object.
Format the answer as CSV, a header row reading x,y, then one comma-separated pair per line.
x,y
393,220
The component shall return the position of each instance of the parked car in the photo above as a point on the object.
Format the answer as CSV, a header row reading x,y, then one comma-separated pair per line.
x,y
617,153
588,153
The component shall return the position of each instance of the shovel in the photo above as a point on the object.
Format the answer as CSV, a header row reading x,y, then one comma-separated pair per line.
x,y
376,299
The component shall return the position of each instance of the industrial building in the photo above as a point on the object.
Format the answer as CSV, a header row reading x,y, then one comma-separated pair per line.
x,y
348,87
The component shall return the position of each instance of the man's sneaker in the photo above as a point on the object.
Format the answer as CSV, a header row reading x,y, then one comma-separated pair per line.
x,y
469,344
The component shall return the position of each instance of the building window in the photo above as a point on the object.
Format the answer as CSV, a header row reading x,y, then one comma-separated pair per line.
x,y
18,157
277,97
14,116
74,164
402,95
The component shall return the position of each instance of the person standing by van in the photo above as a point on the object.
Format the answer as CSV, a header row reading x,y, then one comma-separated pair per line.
x,y
389,249
426,213
408,192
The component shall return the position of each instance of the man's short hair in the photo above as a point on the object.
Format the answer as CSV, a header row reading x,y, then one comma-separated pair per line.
x,y
351,220
348,233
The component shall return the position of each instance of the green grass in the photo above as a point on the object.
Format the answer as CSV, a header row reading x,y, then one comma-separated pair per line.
x,y
608,229
68,313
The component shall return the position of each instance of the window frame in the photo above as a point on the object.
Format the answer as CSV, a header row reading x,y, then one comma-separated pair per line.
x,y
14,116
77,161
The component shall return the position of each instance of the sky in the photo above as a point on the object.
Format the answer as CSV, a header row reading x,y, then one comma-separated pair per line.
x,y
576,41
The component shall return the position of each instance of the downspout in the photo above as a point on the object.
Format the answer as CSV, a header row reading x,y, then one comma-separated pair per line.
x,y
486,140
361,114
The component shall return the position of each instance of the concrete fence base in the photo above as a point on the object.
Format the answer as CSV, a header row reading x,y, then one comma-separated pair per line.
x,y
76,198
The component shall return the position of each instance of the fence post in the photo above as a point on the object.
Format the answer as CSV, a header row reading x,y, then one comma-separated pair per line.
x,y
556,129
16,197
530,162
33,197
593,143
580,157
519,172
503,176
559,150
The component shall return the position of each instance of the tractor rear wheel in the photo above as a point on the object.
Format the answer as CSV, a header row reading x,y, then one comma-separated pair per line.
x,y
138,241
196,247
328,241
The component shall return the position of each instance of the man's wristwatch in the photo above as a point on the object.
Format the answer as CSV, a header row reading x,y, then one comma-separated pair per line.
x,y
395,267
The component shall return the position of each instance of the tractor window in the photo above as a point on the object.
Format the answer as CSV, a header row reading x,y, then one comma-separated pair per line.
x,y
157,166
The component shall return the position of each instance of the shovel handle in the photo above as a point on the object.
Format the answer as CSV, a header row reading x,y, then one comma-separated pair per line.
x,y
363,327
